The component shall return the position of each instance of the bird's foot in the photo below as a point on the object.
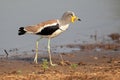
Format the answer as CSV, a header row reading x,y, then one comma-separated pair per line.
x,y
53,64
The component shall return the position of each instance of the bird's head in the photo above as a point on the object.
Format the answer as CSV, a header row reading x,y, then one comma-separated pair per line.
x,y
70,17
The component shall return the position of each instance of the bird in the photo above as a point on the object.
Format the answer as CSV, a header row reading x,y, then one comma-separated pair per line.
x,y
49,29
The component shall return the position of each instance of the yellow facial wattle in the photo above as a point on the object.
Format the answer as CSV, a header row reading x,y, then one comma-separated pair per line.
x,y
73,19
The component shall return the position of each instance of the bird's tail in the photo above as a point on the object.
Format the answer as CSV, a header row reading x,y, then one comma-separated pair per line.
x,y
21,31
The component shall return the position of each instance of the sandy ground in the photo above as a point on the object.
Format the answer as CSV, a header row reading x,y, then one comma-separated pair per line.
x,y
75,65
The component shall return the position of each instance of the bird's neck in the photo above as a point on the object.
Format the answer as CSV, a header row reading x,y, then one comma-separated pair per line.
x,y
63,22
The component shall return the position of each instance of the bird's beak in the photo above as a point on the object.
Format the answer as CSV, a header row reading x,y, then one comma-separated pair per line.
x,y
74,18
79,19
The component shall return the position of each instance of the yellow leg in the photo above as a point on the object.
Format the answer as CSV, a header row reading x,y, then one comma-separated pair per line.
x,y
50,53
36,55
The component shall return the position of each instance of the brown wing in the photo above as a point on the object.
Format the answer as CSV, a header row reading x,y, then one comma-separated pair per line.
x,y
36,28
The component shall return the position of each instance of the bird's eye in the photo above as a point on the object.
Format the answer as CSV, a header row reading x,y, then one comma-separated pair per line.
x,y
71,14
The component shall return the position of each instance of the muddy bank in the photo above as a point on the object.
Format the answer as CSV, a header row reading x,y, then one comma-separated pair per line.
x,y
75,65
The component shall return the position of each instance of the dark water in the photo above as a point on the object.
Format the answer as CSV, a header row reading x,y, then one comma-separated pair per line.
x,y
101,16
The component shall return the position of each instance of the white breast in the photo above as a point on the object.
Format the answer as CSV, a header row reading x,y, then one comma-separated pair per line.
x,y
59,31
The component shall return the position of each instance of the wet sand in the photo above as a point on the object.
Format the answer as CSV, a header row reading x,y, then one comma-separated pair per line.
x,y
74,65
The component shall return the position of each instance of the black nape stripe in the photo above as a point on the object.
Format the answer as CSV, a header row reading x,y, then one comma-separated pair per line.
x,y
48,30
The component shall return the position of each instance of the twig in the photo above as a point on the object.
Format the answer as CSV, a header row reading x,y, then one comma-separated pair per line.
x,y
61,57
6,53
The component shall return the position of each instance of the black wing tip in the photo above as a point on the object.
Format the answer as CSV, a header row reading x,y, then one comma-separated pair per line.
x,y
21,31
